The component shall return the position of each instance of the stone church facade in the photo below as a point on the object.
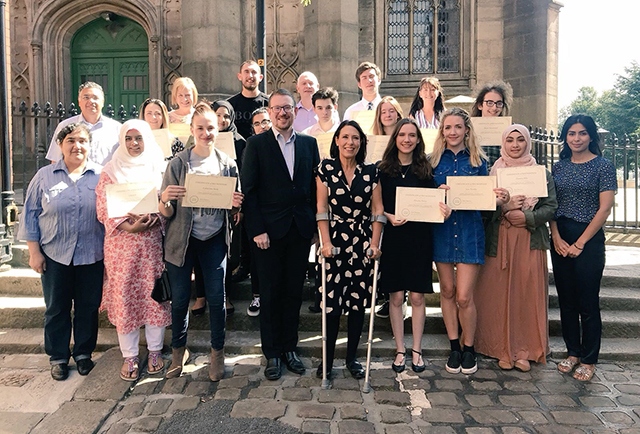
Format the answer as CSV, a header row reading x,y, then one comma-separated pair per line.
x,y
136,48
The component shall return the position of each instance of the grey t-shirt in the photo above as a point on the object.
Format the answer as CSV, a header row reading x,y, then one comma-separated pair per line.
x,y
207,222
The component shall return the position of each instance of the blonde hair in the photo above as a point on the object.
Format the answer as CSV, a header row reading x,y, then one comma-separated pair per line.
x,y
476,154
203,108
378,128
186,83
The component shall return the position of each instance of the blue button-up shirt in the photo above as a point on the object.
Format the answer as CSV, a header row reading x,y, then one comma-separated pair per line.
x,y
460,239
60,214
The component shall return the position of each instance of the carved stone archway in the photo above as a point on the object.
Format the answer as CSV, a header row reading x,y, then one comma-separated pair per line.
x,y
55,24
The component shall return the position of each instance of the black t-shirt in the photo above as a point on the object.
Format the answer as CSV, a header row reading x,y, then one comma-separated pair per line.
x,y
243,107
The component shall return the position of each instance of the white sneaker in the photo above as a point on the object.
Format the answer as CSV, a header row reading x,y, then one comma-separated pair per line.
x,y
254,307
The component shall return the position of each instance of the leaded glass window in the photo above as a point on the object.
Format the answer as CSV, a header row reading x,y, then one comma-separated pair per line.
x,y
421,34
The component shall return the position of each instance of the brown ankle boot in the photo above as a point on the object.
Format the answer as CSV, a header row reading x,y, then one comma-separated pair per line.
x,y
216,365
179,357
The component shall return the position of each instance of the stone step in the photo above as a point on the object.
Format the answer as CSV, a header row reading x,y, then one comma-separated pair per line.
x,y
611,298
28,312
21,341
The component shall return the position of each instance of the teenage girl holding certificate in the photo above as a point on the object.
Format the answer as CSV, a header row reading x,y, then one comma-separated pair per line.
x,y
458,248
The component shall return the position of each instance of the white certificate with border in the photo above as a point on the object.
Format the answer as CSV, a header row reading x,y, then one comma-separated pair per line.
x,y
324,144
225,143
489,129
365,119
209,191
164,139
135,198
181,131
429,136
530,181
419,204
471,193
376,146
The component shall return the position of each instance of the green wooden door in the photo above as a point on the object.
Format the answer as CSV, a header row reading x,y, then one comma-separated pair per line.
x,y
114,54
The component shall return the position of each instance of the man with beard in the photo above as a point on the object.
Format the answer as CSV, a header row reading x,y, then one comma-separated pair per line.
x,y
249,99
278,179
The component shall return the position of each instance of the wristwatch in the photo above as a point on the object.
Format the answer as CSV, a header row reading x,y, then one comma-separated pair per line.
x,y
166,204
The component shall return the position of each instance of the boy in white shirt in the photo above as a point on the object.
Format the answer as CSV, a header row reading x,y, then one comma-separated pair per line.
x,y
368,79
325,105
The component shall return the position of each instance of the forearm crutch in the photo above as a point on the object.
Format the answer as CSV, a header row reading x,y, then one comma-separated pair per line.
x,y
325,381
366,388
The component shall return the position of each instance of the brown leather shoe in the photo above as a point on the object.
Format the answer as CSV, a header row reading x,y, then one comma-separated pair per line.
x,y
179,357
216,365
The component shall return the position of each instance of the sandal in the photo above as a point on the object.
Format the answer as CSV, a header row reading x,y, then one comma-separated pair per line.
x,y
418,368
584,372
523,365
401,366
155,364
505,365
567,365
130,371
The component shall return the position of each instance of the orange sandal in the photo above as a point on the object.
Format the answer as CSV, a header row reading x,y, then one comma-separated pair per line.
x,y
584,372
567,365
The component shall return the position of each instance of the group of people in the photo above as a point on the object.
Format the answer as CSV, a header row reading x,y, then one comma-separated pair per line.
x,y
491,265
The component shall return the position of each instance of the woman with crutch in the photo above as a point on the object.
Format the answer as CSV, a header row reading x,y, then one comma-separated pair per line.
x,y
349,199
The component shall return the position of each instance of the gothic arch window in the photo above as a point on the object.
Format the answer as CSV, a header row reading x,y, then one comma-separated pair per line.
x,y
423,37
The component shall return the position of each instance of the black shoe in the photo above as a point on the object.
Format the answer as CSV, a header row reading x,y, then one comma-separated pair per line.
x,y
60,371
84,366
383,310
315,308
400,367
319,372
199,311
453,364
469,363
293,362
231,309
273,371
417,368
240,274
356,369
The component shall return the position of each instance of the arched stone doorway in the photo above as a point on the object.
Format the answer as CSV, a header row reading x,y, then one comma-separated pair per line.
x,y
113,51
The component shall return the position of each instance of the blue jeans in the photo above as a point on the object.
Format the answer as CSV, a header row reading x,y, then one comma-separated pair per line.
x,y
65,286
212,256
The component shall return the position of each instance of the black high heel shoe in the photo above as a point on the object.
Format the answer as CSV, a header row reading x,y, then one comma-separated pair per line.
x,y
400,368
417,368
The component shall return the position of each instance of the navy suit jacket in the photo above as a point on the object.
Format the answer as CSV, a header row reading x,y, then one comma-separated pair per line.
x,y
272,199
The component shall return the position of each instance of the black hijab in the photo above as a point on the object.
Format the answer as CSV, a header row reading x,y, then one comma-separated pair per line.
x,y
238,140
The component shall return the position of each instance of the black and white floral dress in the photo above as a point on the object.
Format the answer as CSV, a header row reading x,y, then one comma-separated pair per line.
x,y
350,273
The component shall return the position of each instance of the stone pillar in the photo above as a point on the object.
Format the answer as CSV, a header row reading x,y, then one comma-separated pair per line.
x,y
211,44
331,42
531,60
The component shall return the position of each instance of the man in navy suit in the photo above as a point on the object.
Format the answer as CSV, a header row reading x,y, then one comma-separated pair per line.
x,y
278,179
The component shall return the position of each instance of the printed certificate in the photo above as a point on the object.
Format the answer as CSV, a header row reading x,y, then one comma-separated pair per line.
x,y
324,144
489,129
225,143
419,204
135,198
429,136
164,139
530,181
181,131
209,191
375,148
365,119
471,193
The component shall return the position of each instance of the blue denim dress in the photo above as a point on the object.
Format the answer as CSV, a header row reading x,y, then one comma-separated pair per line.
x,y
460,239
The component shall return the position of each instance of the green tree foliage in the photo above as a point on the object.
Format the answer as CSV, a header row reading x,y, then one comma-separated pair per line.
x,y
616,110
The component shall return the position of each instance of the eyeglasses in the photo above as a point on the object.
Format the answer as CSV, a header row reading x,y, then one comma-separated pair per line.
x,y
263,123
490,103
285,108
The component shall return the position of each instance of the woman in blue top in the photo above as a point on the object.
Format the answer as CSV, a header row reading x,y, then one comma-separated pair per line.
x,y
585,186
458,248
65,240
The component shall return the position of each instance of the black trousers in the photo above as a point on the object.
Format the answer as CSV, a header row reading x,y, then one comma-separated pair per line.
x,y
578,284
281,271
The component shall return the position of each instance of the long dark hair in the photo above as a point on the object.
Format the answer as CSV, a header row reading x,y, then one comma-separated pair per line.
x,y
591,127
390,163
334,152
438,105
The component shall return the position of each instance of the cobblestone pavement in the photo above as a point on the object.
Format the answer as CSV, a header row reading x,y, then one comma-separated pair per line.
x,y
489,401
